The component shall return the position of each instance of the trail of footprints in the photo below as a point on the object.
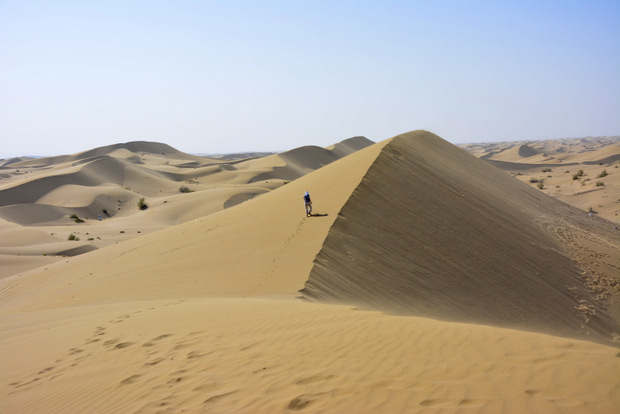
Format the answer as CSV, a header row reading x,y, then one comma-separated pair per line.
x,y
155,351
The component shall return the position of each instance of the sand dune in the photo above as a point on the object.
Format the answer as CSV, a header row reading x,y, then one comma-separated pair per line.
x,y
207,315
130,150
555,166
209,249
108,182
433,231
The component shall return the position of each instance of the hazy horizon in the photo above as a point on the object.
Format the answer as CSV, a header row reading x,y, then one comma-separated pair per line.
x,y
258,151
240,76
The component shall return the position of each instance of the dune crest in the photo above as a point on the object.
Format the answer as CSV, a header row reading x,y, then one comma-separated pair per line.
x,y
103,187
433,231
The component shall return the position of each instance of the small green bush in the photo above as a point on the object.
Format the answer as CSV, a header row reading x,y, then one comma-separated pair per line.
x,y
73,237
533,180
603,174
540,185
546,170
185,189
142,205
600,183
76,218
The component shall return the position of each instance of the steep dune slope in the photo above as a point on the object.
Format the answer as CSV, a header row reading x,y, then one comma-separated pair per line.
x,y
109,181
433,231
265,246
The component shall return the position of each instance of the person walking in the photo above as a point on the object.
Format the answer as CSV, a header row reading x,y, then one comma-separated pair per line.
x,y
308,204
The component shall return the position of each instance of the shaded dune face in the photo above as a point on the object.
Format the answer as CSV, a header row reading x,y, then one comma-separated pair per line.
x,y
526,151
435,232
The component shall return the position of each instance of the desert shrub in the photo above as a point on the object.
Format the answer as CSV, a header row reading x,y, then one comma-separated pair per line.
x,y
540,185
603,174
546,170
185,189
578,175
600,183
91,238
73,237
533,180
76,218
142,205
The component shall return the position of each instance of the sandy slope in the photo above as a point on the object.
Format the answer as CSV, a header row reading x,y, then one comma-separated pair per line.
x,y
433,231
279,356
205,316
108,182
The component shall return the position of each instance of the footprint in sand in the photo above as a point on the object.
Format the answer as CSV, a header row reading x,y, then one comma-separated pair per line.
x,y
75,351
218,397
130,380
299,402
123,345
154,362
43,371
110,342
154,341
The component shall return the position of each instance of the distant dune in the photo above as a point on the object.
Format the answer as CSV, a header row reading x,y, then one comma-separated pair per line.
x,y
579,171
106,183
427,280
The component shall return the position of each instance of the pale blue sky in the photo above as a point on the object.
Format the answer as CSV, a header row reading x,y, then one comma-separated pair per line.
x,y
226,76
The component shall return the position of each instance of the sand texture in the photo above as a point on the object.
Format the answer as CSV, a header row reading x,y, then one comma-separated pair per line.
x,y
428,280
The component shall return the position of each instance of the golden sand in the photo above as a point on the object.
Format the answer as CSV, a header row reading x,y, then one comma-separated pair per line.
x,y
209,313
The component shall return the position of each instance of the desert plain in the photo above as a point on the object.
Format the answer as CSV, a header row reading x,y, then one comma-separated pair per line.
x,y
485,278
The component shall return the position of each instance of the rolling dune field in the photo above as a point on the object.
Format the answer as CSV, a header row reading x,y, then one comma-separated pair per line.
x,y
428,280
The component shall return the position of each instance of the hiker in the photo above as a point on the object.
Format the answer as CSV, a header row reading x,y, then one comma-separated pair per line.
x,y
308,204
